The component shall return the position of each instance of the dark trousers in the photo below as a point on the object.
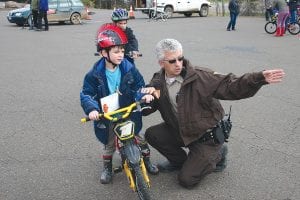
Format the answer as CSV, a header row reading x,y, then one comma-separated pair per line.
x,y
232,22
269,14
43,15
198,161
35,14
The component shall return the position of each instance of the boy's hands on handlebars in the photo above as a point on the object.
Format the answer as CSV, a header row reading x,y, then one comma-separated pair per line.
x,y
94,115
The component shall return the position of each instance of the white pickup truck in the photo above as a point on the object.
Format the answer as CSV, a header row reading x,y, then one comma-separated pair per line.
x,y
186,7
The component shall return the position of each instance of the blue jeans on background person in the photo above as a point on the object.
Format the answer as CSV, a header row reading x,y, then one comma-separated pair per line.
x,y
232,22
293,16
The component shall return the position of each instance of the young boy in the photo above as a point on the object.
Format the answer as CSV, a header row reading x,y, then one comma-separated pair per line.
x,y
110,75
119,18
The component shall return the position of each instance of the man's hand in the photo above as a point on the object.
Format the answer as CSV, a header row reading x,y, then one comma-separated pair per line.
x,y
274,75
148,98
94,115
152,91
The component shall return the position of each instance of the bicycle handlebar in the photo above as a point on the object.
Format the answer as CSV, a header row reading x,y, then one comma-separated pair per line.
x,y
109,116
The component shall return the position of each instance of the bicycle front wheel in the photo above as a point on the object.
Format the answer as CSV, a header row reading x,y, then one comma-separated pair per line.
x,y
164,17
141,186
294,29
270,27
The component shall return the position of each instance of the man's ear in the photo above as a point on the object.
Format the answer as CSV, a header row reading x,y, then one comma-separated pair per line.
x,y
161,63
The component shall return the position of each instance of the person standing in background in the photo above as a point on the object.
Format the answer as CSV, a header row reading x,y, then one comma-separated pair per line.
x,y
234,10
34,6
43,8
293,10
269,10
283,13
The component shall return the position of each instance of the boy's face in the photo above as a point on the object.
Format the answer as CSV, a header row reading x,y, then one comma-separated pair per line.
x,y
116,54
122,24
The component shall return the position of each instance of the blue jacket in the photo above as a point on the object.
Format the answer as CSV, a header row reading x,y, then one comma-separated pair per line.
x,y
95,87
44,5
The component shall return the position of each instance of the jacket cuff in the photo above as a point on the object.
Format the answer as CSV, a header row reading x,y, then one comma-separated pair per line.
x,y
259,78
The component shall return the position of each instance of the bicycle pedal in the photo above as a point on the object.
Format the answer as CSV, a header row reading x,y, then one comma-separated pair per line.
x,y
117,169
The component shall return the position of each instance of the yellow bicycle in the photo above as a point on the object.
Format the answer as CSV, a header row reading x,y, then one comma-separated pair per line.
x,y
131,156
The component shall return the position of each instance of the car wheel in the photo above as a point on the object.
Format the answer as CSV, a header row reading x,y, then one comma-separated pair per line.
x,y
29,21
20,24
75,18
169,11
187,14
203,11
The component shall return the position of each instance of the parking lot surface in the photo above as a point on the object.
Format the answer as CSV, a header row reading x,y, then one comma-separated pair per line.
x,y
47,154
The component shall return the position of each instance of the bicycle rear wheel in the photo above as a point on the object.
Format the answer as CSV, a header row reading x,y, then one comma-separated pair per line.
x,y
270,27
294,29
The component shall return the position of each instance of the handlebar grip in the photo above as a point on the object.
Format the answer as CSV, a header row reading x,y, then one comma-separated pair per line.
x,y
85,119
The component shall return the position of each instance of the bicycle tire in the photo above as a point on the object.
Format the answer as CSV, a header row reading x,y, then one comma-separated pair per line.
x,y
294,29
142,188
164,17
270,27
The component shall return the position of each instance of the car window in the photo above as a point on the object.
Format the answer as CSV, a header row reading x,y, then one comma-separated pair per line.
x,y
64,3
76,3
52,4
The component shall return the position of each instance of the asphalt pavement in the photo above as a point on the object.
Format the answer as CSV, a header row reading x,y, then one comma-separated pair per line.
x,y
47,154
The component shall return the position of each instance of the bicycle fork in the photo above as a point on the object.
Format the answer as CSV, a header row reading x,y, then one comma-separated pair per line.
x,y
133,158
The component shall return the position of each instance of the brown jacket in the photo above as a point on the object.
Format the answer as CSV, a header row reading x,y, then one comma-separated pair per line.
x,y
197,101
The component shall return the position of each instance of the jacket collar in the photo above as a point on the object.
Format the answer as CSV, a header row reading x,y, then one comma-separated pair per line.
x,y
99,67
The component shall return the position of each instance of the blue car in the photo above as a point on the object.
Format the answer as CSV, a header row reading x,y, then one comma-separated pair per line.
x,y
59,11
19,16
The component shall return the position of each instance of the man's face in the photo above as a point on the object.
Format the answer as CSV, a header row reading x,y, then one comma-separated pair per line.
x,y
122,24
172,63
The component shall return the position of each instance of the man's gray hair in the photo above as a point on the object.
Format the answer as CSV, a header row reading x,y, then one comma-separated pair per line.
x,y
167,45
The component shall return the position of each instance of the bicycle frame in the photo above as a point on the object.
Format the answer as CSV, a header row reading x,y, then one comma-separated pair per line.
x,y
132,160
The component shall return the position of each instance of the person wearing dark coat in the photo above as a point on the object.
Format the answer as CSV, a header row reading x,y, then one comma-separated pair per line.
x,y
293,4
34,6
43,8
187,98
269,10
120,18
234,10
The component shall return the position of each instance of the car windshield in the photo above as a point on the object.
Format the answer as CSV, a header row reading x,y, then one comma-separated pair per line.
x,y
76,3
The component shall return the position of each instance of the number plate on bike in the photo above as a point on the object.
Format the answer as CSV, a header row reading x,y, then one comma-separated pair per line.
x,y
124,130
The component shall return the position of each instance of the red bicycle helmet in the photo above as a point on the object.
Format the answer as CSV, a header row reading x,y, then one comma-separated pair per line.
x,y
109,35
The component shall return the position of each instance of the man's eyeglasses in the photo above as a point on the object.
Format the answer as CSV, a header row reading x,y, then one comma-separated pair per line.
x,y
174,60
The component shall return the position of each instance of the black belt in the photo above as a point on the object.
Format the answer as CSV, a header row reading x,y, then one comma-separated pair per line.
x,y
207,136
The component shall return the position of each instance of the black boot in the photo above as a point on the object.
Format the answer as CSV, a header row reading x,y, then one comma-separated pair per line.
x,y
106,174
151,169
220,166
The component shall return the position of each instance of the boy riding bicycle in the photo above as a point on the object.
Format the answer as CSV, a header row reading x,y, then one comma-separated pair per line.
x,y
119,79
120,19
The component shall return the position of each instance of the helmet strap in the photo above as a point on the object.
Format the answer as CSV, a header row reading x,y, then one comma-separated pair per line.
x,y
109,60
